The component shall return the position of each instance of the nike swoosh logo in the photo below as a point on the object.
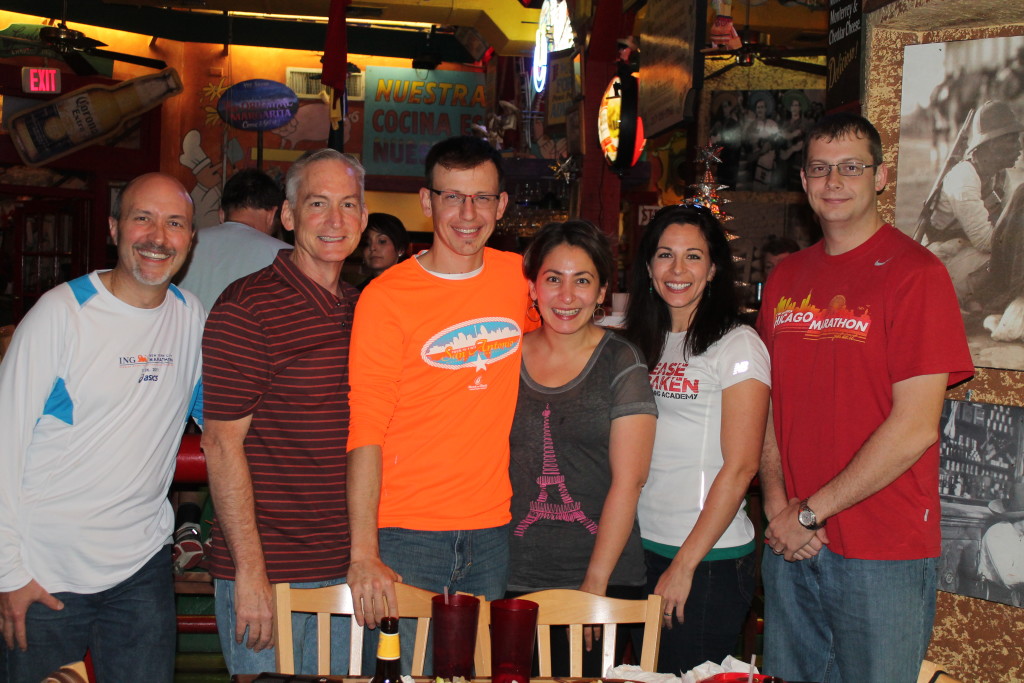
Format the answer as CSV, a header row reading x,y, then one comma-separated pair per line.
x,y
882,263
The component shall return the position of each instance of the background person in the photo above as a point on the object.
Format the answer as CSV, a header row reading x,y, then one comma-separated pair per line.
x,y
385,242
240,245
710,377
775,250
582,434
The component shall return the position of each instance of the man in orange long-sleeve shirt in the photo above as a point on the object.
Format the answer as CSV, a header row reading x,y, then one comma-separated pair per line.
x,y
434,372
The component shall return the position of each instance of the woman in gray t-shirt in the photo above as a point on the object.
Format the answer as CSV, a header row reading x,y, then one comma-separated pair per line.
x,y
583,429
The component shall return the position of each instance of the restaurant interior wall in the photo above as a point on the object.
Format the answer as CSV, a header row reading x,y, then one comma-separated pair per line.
x,y
207,70
974,639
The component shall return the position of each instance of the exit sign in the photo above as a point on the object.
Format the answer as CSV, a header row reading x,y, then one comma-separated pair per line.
x,y
40,80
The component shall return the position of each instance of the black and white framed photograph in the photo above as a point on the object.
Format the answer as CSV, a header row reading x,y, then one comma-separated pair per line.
x,y
981,484
960,175
762,134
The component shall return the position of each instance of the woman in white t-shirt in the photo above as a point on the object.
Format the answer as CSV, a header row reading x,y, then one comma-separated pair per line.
x,y
710,376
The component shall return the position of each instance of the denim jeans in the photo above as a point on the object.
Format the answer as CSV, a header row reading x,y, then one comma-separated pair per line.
x,y
473,562
129,629
719,600
837,620
243,660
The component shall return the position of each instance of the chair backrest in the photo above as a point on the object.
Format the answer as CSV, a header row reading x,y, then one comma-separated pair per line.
x,y
69,673
933,673
577,609
413,602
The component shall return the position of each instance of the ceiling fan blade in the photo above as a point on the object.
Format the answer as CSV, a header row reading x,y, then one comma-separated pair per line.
x,y
792,64
721,71
79,64
131,59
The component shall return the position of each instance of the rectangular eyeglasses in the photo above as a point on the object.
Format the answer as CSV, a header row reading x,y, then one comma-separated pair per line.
x,y
453,199
847,168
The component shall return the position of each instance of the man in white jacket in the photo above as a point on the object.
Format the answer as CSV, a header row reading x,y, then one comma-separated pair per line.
x,y
94,394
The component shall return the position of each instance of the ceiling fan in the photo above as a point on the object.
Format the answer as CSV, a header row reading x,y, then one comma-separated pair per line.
x,y
72,47
754,48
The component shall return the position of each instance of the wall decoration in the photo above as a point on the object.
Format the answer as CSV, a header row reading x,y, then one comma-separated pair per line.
x,y
959,189
981,484
667,35
407,111
762,135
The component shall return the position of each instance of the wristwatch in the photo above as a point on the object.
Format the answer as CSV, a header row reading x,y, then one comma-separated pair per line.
x,y
807,518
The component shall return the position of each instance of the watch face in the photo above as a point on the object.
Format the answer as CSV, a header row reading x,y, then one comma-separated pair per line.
x,y
806,518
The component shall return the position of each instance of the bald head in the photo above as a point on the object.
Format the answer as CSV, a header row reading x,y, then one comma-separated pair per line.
x,y
151,224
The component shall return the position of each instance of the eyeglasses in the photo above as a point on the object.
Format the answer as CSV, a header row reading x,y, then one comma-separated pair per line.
x,y
453,199
847,168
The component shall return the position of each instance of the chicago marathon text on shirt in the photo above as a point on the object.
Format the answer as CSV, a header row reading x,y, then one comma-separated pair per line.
x,y
838,321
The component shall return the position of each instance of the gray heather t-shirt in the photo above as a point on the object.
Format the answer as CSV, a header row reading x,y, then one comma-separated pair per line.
x,y
561,473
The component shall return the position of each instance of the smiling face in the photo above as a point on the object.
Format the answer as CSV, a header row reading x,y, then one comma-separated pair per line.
x,y
327,217
567,289
379,253
846,203
154,231
680,270
460,232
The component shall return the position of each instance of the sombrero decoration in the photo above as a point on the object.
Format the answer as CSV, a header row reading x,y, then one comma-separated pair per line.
x,y
1012,508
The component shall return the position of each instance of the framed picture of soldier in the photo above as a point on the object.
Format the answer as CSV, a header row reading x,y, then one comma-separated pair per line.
x,y
762,134
959,172
981,485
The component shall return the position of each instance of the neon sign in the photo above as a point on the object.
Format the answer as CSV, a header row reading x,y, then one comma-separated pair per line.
x,y
554,33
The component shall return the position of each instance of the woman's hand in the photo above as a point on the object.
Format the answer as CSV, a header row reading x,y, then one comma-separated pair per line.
x,y
674,588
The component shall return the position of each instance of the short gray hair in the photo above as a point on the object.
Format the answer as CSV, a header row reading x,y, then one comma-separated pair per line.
x,y
297,171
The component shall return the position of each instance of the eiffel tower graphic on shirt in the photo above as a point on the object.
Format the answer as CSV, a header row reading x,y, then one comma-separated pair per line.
x,y
566,511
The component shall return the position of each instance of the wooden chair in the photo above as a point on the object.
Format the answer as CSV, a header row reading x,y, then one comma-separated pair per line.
x,y
576,609
414,602
933,673
69,673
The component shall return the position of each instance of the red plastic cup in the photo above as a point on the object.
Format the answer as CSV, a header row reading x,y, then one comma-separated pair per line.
x,y
742,678
454,624
513,633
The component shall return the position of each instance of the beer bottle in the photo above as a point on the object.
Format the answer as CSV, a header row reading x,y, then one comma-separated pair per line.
x,y
388,653
87,116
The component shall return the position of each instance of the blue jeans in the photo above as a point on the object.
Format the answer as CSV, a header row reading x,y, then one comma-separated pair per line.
x,y
719,600
473,562
835,620
129,629
243,660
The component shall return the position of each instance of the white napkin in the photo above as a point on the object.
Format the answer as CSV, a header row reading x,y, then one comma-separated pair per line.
x,y
729,665
628,672
634,673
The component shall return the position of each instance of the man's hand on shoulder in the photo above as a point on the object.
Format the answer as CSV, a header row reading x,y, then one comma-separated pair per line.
x,y
373,591
14,606
254,608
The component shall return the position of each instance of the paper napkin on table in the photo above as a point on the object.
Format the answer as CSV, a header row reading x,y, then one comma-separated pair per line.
x,y
729,665
634,673
628,672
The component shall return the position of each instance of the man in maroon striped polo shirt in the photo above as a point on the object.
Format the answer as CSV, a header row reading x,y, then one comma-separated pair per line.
x,y
275,365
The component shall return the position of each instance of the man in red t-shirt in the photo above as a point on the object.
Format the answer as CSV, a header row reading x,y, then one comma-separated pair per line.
x,y
864,334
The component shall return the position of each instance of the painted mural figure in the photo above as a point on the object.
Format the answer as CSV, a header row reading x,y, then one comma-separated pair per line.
x,y
207,190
